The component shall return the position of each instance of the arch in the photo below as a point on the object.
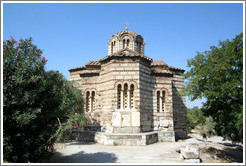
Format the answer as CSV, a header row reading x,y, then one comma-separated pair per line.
x,y
125,92
161,99
126,40
126,36
122,82
162,89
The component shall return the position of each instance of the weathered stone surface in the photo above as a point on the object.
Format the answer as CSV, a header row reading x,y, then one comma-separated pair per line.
x,y
190,153
164,123
126,119
129,66
135,118
116,119
192,160
166,136
126,139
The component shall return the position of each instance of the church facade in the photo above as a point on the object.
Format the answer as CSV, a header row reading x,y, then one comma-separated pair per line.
x,y
130,96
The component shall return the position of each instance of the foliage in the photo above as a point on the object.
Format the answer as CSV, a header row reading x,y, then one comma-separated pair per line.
x,y
208,127
35,102
195,117
217,75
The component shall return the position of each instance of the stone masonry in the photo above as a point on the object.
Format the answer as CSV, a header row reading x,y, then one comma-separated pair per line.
x,y
127,92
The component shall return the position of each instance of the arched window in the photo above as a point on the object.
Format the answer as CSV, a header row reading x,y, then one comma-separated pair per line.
x,y
125,99
125,96
112,47
158,101
119,96
163,100
139,47
132,96
93,101
161,97
87,101
114,43
127,43
90,101
124,43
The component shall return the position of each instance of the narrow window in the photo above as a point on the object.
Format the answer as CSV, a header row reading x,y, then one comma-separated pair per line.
x,y
88,101
158,101
125,96
112,48
136,47
124,42
127,43
163,100
119,96
132,96
140,44
93,101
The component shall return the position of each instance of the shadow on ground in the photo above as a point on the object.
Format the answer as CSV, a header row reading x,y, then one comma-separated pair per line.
x,y
82,157
226,154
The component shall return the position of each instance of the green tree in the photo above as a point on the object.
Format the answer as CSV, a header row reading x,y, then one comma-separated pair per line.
x,y
217,75
195,117
35,103
207,127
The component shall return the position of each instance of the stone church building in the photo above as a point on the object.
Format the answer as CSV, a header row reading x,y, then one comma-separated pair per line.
x,y
131,98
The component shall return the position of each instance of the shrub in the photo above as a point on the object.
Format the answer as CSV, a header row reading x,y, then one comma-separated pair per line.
x,y
35,103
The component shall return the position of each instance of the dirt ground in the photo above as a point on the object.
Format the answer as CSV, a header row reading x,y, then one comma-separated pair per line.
x,y
214,150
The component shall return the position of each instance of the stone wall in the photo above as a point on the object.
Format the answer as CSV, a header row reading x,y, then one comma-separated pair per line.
x,y
146,86
144,116
179,106
163,120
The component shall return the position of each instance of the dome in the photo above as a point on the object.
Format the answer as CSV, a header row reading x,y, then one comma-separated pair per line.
x,y
126,39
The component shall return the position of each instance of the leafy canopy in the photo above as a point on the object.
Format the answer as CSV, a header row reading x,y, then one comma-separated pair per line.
x,y
35,103
217,75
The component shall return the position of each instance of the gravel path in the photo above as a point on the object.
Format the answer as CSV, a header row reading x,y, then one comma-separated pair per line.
x,y
162,152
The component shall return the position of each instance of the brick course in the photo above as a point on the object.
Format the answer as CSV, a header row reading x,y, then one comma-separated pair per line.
x,y
130,66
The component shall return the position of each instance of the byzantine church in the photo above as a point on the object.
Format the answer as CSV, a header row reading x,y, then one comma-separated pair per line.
x,y
130,98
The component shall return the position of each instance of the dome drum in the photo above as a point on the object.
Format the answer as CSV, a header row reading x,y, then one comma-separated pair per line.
x,y
126,39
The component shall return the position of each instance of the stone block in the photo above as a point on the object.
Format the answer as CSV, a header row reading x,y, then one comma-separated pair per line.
x,y
164,123
190,153
126,120
135,118
116,119
144,117
156,123
192,160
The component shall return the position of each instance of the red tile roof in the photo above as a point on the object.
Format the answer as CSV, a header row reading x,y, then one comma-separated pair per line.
x,y
93,63
158,63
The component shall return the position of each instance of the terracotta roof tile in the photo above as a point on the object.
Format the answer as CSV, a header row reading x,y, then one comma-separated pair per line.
x,y
158,63
126,52
93,63
76,69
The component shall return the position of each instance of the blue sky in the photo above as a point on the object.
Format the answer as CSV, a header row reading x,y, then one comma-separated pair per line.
x,y
71,34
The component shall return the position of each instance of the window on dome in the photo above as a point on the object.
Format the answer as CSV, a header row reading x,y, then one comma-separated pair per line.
x,y
127,43
124,43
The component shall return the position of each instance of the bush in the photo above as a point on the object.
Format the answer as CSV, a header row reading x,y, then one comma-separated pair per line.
x,y
195,117
35,103
208,127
